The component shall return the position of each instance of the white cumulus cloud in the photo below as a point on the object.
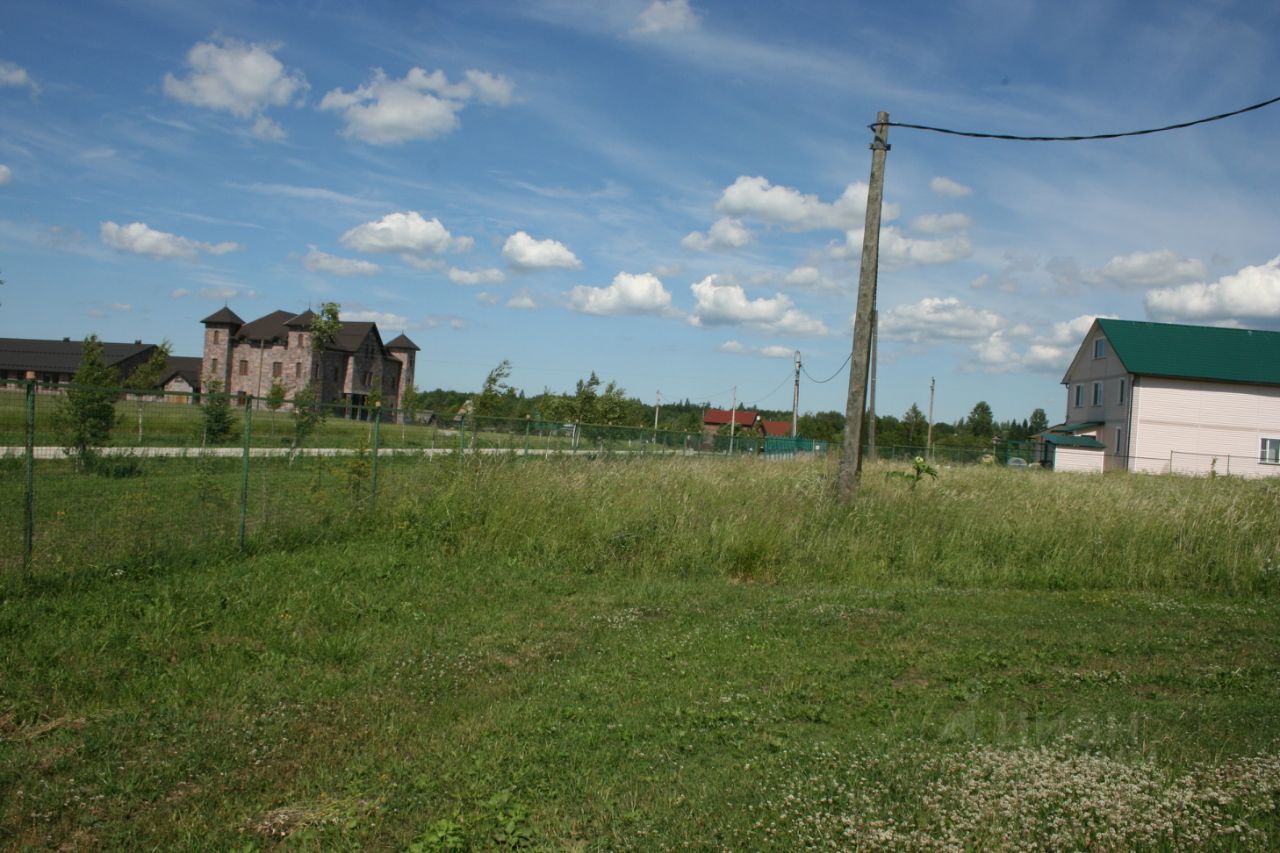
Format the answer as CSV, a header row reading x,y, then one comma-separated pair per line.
x,y
666,16
1252,293
898,250
935,319
424,264
725,233
790,208
240,78
141,239
318,261
522,301
384,319
772,351
724,303
16,77
526,253
949,188
469,277
941,223
406,232
1161,267
628,294
388,111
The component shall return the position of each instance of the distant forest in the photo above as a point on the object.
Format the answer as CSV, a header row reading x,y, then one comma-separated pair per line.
x,y
595,402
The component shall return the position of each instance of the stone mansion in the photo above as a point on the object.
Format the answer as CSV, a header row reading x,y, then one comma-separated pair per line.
x,y
249,358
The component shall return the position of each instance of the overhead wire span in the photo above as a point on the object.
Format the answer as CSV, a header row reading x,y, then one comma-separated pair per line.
x,y
839,370
775,390
1079,138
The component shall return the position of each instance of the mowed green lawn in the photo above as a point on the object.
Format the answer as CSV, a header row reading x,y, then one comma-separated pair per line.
x,y
669,654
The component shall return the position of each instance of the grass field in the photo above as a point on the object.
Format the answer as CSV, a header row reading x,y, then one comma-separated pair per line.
x,y
663,654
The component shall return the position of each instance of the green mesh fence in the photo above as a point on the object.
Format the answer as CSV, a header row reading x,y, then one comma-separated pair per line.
x,y
97,476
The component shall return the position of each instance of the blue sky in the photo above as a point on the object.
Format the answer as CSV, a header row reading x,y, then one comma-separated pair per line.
x,y
669,193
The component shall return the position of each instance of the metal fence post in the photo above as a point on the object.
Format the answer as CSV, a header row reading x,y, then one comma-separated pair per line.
x,y
373,474
244,476
28,518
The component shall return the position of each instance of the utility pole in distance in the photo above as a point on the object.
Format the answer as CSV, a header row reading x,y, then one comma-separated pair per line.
x,y
928,441
795,401
851,457
657,407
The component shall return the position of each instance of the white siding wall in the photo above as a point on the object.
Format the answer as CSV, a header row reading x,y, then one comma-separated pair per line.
x,y
1078,459
1190,424
1112,410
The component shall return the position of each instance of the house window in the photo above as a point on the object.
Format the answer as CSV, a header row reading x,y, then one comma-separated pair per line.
x,y
297,370
1100,348
217,336
1270,453
244,367
368,377
335,374
1097,393
215,366
1079,395
1119,448
277,369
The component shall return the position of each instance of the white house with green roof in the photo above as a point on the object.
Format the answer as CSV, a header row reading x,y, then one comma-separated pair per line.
x,y
1160,398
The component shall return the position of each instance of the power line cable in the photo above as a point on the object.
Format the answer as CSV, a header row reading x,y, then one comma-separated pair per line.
x,y
759,400
832,376
980,135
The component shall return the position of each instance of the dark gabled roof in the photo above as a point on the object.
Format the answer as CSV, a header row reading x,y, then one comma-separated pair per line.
x,y
721,417
351,335
1060,440
60,356
268,328
188,367
303,320
402,341
223,316
1195,352
277,325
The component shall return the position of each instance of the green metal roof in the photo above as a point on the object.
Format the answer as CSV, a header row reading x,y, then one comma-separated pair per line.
x,y
1074,441
1076,427
1195,352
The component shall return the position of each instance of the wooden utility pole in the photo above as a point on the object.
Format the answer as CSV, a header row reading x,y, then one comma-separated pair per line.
x,y
733,418
871,392
851,457
795,401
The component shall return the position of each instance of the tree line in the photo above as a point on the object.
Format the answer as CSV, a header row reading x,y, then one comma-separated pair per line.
x,y
593,401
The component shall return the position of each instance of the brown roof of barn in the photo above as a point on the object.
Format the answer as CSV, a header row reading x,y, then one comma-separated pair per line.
x,y
721,417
